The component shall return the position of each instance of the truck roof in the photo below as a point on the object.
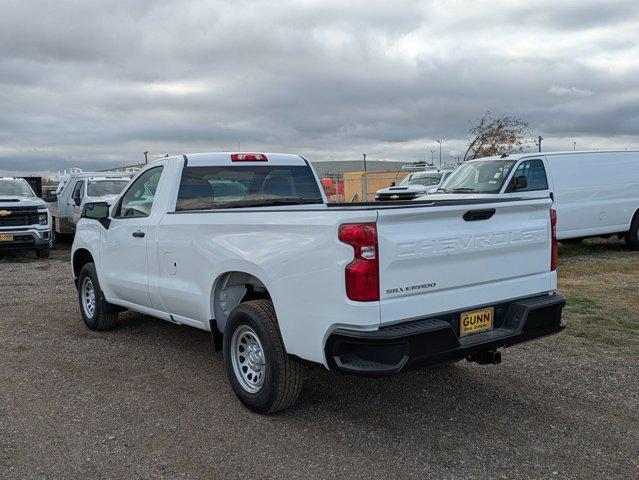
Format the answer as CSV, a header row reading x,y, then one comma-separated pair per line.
x,y
225,158
518,156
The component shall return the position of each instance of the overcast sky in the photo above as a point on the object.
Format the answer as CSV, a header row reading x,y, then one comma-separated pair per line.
x,y
94,83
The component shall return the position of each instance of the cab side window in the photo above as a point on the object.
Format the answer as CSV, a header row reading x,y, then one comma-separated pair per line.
x,y
535,174
138,199
78,192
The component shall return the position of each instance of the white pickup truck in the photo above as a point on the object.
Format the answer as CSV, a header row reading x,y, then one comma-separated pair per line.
x,y
25,222
244,245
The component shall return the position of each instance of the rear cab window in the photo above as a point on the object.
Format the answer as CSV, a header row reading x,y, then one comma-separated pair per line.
x,y
216,187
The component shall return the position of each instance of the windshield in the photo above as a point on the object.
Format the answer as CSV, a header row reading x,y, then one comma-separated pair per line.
x,y
427,180
99,188
478,177
15,188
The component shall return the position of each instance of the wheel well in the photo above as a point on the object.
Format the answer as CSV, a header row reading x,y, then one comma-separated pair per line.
x,y
231,289
80,258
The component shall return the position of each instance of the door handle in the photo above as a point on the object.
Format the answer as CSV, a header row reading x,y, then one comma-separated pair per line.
x,y
138,234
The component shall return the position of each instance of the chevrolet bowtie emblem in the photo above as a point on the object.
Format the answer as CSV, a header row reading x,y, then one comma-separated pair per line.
x,y
4,213
394,197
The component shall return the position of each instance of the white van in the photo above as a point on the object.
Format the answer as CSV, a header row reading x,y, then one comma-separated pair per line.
x,y
596,193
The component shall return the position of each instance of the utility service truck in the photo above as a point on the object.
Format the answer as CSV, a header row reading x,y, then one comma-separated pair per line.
x,y
77,189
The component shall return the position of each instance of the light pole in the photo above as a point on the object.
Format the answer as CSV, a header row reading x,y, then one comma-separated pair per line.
x,y
146,157
540,138
364,181
432,157
440,151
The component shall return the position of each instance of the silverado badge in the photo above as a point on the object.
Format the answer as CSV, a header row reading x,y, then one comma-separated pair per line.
x,y
5,213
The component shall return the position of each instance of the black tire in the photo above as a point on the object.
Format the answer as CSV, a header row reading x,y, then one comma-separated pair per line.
x,y
282,381
43,252
632,235
104,315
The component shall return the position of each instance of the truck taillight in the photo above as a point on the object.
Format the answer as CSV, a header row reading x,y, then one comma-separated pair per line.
x,y
554,248
362,274
248,157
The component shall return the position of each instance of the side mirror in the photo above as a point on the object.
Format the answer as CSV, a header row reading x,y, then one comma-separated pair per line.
x,y
521,182
97,211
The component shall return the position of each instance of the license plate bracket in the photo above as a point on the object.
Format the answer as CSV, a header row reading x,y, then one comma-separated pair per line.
x,y
476,321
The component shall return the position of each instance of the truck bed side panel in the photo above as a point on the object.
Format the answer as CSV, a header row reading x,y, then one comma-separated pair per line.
x,y
295,254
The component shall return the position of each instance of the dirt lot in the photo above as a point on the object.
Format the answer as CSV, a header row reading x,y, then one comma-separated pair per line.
x,y
151,400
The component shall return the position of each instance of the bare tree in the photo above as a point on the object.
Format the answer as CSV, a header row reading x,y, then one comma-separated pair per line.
x,y
497,135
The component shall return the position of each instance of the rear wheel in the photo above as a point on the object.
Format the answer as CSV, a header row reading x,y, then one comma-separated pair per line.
x,y
98,314
261,373
43,252
632,235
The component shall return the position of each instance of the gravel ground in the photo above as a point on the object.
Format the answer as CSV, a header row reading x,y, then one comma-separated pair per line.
x,y
151,400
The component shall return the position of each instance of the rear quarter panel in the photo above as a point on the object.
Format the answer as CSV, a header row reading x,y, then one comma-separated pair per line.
x,y
294,253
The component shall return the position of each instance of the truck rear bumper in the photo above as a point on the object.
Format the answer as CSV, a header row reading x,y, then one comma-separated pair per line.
x,y
436,339
25,238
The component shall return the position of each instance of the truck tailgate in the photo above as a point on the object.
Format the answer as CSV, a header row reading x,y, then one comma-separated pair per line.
x,y
434,259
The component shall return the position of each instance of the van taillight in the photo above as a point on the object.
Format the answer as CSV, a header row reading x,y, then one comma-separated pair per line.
x,y
362,274
553,229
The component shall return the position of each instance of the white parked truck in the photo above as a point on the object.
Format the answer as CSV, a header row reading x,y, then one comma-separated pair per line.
x,y
596,193
244,245
79,188
25,222
413,185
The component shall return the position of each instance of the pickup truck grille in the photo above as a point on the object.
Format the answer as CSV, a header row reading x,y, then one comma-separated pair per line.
x,y
383,197
18,217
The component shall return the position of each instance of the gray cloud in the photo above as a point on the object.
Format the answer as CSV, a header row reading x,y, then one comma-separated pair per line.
x,y
96,83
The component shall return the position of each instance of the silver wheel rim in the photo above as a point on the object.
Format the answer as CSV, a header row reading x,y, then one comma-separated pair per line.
x,y
247,357
88,297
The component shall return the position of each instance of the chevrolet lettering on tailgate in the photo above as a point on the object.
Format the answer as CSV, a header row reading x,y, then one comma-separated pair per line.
x,y
469,243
